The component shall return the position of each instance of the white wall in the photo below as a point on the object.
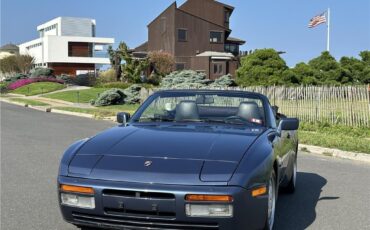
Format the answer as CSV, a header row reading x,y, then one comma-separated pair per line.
x,y
36,52
58,49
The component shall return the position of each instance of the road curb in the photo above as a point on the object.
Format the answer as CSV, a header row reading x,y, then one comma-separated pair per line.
x,y
72,113
48,109
335,153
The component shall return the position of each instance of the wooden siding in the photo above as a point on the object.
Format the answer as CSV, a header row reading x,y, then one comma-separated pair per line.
x,y
198,37
70,68
79,49
200,64
162,31
207,9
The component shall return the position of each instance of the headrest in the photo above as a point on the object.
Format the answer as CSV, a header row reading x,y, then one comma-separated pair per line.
x,y
187,110
249,110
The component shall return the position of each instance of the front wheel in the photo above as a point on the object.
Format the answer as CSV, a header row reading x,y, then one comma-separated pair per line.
x,y
272,195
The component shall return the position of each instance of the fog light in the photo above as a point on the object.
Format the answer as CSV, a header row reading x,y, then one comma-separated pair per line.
x,y
76,200
209,210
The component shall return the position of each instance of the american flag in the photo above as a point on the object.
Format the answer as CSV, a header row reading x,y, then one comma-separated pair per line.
x,y
317,20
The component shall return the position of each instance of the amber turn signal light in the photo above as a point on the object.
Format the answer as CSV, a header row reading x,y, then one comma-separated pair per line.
x,y
259,191
76,189
216,198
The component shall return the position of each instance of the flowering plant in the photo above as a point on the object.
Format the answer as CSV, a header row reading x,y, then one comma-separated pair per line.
x,y
27,81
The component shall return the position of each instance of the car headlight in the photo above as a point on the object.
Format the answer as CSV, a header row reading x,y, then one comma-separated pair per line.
x,y
77,196
209,210
76,200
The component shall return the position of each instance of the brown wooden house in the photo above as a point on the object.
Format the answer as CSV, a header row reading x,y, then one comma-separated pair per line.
x,y
197,34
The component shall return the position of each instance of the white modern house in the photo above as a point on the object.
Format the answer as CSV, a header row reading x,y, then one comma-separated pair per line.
x,y
69,46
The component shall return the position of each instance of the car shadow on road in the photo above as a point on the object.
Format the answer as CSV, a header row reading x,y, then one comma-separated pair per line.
x,y
298,211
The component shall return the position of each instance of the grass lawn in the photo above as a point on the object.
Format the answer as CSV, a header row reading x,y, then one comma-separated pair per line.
x,y
77,96
106,111
29,102
339,137
38,88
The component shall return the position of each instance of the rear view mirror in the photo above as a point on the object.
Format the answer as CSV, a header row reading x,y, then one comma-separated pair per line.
x,y
287,124
122,118
204,100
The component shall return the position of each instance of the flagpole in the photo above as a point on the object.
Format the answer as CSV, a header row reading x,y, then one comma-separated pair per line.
x,y
328,36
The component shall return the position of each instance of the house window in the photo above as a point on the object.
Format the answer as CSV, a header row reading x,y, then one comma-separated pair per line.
x,y
215,37
232,48
182,35
180,66
218,68
80,49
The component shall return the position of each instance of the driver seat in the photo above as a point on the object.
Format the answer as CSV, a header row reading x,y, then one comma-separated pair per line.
x,y
249,110
187,110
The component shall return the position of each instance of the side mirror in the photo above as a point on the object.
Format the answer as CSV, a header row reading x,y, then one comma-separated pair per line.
x,y
122,118
287,124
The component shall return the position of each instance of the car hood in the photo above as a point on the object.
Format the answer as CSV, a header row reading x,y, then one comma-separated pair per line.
x,y
173,154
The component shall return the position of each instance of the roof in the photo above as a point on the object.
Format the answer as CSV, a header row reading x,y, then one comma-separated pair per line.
x,y
235,40
225,5
9,47
216,54
142,48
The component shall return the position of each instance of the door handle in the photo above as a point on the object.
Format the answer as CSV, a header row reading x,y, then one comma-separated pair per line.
x,y
288,136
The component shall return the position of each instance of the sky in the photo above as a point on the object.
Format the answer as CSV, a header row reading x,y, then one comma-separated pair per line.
x,y
278,24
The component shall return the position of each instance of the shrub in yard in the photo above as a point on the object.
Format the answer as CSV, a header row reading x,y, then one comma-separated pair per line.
x,y
110,97
23,82
107,76
16,77
3,87
118,84
192,79
132,94
185,79
223,82
162,62
85,80
37,72
67,79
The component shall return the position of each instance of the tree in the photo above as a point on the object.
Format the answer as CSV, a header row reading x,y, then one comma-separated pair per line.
x,y
9,64
328,68
162,62
261,67
25,63
125,65
354,68
115,57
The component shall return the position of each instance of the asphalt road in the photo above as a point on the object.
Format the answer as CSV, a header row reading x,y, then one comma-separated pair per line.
x,y
331,193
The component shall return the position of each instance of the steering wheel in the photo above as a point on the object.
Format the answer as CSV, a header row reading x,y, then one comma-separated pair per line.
x,y
231,118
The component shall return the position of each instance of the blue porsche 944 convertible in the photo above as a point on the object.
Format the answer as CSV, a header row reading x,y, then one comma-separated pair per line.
x,y
187,159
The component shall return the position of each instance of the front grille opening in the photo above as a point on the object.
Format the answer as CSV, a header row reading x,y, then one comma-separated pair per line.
x,y
139,194
114,211
135,223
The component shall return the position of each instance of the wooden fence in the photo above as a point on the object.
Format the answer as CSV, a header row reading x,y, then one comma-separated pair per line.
x,y
346,105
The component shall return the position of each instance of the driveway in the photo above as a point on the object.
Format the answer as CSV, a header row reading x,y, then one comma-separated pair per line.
x,y
331,193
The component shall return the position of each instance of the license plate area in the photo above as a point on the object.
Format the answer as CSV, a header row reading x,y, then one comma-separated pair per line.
x,y
116,205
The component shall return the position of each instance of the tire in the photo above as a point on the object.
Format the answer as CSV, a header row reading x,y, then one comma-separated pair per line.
x,y
271,205
290,188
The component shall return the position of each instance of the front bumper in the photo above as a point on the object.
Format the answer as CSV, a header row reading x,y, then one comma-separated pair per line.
x,y
119,205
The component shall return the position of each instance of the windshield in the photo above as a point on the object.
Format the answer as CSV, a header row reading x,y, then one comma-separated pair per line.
x,y
203,107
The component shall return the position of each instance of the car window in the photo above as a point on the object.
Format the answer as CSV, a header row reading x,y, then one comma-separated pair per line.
x,y
205,107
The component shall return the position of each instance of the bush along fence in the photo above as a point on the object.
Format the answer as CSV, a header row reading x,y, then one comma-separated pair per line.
x,y
344,105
